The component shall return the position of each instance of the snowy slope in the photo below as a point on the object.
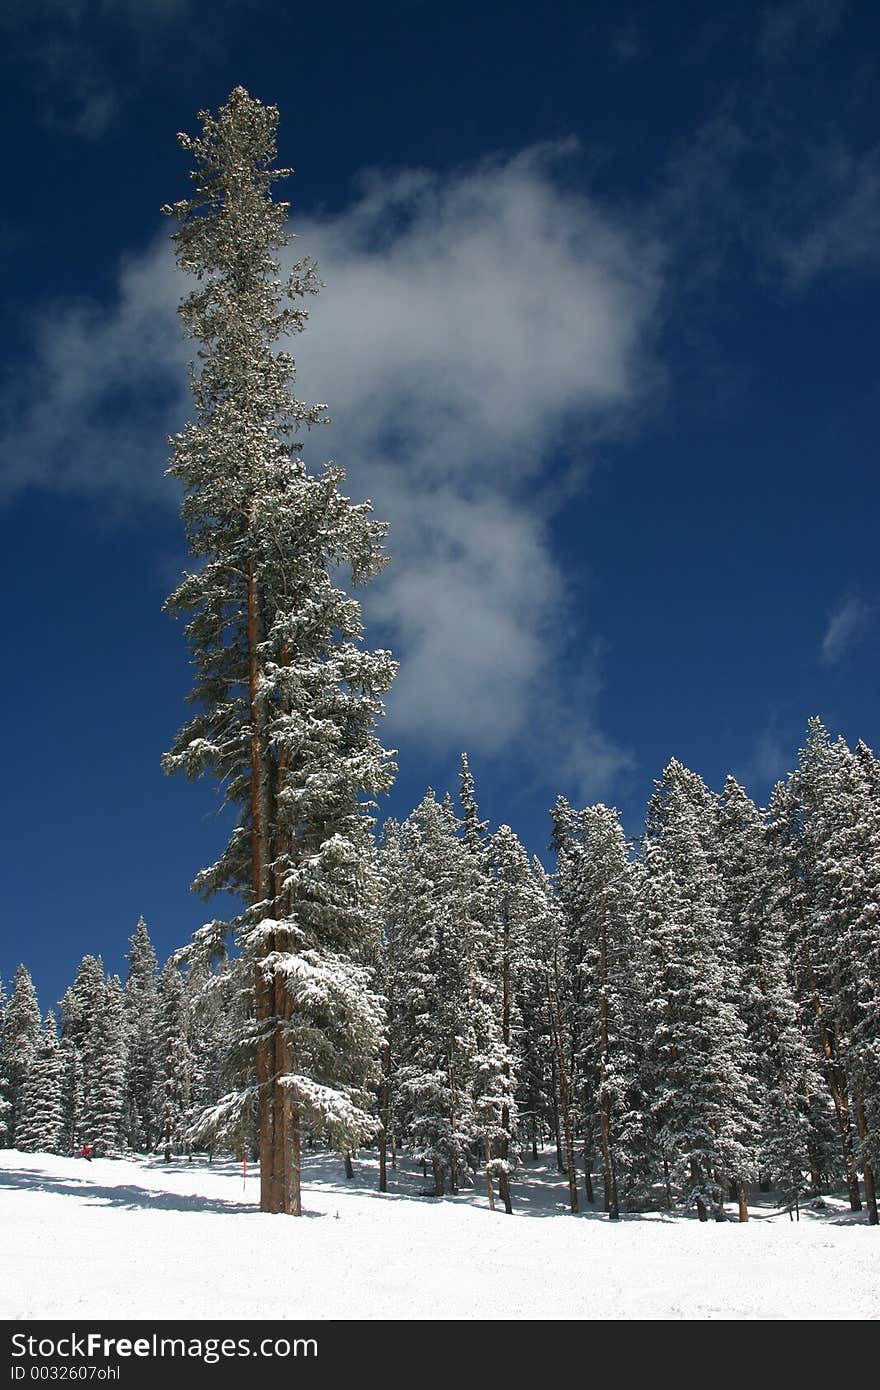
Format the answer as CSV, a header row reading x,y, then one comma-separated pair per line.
x,y
132,1239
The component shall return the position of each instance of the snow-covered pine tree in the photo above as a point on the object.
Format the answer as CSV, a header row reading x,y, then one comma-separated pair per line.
x,y
18,1044
288,698
696,1055
174,1062
782,1072
842,839
520,913
5,1103
536,1100
143,1109
81,1007
40,1119
487,948
597,886
804,817
103,1064
392,890
430,1033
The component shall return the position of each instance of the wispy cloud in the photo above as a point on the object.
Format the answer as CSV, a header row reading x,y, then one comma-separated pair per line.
x,y
786,26
478,332
834,221
84,57
770,757
89,414
845,628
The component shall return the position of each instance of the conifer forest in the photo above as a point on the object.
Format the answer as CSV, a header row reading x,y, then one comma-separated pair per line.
x,y
684,1020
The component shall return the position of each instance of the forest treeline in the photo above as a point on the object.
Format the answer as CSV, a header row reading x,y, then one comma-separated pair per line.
x,y
683,1020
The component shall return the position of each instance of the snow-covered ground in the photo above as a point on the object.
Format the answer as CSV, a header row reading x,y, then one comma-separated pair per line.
x,y
133,1239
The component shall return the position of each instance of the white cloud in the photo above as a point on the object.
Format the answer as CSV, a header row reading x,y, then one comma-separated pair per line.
x,y
845,627
478,335
473,329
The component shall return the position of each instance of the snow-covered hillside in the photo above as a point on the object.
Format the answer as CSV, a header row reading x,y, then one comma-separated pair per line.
x,y
132,1239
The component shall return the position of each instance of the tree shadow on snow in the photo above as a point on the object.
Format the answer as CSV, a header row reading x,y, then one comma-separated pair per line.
x,y
126,1195
537,1190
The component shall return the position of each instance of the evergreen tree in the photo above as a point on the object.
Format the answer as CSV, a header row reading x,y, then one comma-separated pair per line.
x,y
596,882
519,909
807,817
143,1101
783,1076
5,1103
430,1031
697,1063
288,698
40,1120
103,1065
841,842
174,1059
536,1099
487,946
81,1008
18,1044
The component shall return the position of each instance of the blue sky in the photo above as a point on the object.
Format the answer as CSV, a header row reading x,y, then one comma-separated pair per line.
x,y
599,280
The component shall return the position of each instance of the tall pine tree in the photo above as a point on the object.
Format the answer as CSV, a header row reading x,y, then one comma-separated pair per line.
x,y
287,696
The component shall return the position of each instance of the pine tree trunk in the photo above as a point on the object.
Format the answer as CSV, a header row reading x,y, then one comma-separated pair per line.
x,y
588,1179
743,1202
608,1172
565,1106
383,1160
557,1134
697,1180
837,1086
867,1167
489,1188
263,989
506,1036
349,1170
295,1161
504,1190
